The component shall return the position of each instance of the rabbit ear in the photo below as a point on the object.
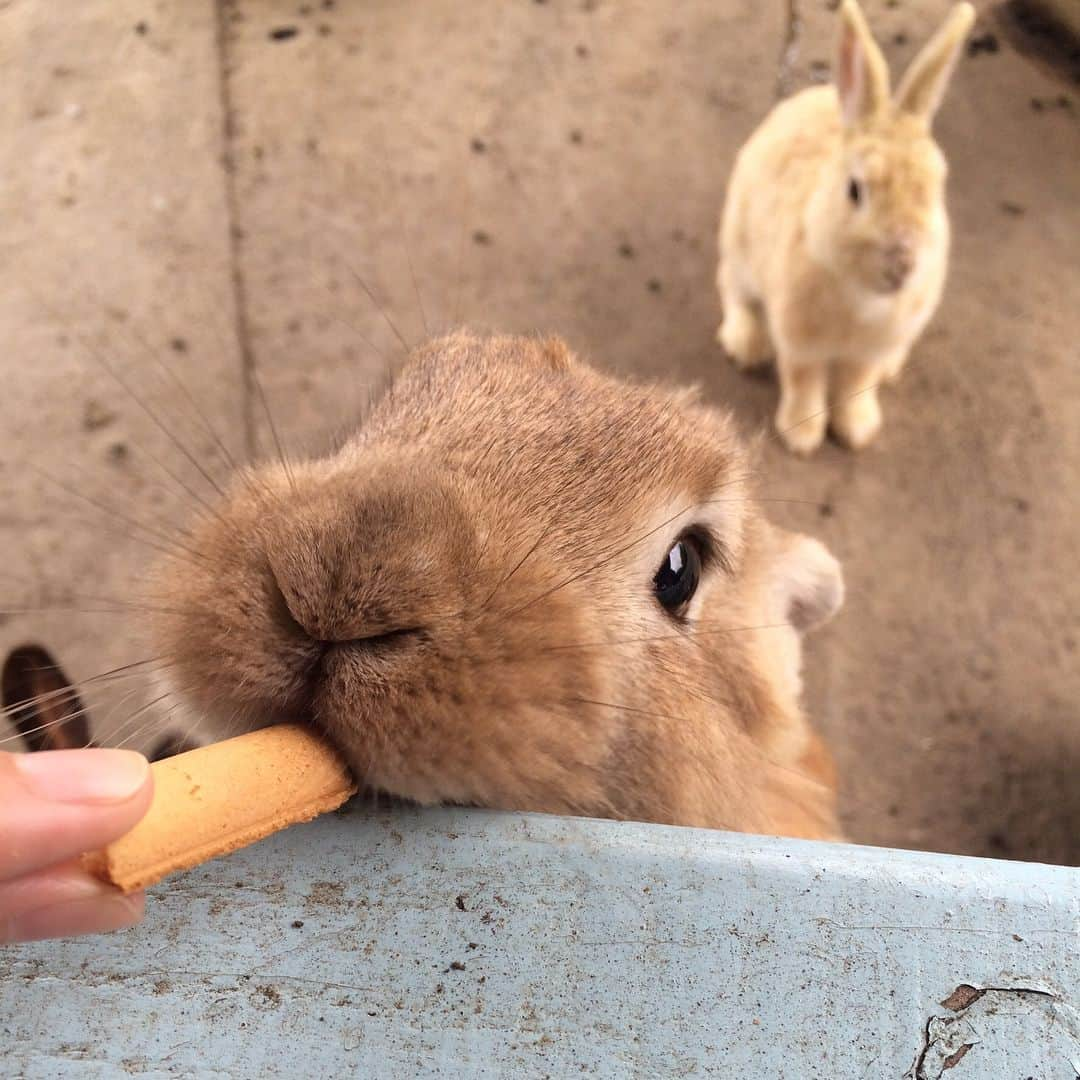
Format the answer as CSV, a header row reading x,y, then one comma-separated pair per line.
x,y
810,583
862,76
49,714
923,85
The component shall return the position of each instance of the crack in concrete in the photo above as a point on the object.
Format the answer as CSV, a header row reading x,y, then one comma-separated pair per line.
x,y
789,53
242,324
937,1028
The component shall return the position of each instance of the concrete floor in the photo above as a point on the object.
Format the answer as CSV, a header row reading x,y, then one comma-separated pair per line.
x,y
205,182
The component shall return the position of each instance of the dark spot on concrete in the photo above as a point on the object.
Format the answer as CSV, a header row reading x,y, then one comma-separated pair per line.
x,y
457,965
1017,937
982,43
297,924
142,28
577,137
439,988
162,986
1012,208
473,945
326,892
627,250
372,1013
96,416
269,994
654,285
284,33
459,902
481,237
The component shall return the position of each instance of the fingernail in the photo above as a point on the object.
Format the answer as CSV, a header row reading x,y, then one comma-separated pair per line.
x,y
91,915
83,776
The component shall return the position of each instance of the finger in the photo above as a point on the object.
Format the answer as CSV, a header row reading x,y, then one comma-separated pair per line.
x,y
61,902
56,804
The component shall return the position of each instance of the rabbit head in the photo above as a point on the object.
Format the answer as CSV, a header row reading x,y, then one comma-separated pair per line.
x,y
880,204
521,584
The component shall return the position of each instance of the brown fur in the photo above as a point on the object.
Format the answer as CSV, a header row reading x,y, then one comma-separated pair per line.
x,y
461,598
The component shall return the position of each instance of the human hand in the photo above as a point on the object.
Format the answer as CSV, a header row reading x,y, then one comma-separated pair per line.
x,y
54,806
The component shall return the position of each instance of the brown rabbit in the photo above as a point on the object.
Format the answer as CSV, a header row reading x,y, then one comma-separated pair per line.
x,y
521,584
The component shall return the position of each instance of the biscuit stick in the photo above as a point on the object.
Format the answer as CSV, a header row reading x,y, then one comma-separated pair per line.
x,y
213,800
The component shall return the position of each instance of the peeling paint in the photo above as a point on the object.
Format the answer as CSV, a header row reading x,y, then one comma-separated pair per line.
x,y
993,1020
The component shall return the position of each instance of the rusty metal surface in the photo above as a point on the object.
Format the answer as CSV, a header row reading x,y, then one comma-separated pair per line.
x,y
462,943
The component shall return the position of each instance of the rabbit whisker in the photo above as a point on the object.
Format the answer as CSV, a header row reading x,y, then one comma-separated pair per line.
x,y
112,512
161,718
381,309
615,554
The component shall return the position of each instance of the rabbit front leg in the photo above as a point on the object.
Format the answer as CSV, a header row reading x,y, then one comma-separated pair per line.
x,y
802,416
743,332
856,414
893,364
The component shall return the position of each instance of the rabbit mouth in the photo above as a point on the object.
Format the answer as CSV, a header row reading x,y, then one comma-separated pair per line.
x,y
891,281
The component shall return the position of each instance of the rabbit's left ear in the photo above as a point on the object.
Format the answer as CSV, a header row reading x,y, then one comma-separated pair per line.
x,y
923,86
862,76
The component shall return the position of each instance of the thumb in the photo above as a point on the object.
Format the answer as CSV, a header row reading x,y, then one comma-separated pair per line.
x,y
57,804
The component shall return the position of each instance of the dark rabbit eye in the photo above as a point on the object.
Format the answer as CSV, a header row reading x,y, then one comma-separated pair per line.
x,y
854,191
677,579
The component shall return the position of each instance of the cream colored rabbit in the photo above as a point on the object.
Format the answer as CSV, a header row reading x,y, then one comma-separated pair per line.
x,y
835,239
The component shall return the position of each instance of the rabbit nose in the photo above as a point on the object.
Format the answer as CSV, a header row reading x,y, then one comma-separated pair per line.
x,y
899,259
360,566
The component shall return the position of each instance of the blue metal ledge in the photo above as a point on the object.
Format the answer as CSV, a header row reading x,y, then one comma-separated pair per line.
x,y
461,943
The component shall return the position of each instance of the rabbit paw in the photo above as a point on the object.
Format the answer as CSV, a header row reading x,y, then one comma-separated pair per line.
x,y
801,435
744,338
857,421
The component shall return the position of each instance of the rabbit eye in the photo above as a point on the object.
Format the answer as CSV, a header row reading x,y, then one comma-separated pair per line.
x,y
677,579
854,191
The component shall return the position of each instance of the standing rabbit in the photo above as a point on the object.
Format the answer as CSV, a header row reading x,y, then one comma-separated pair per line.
x,y
835,239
